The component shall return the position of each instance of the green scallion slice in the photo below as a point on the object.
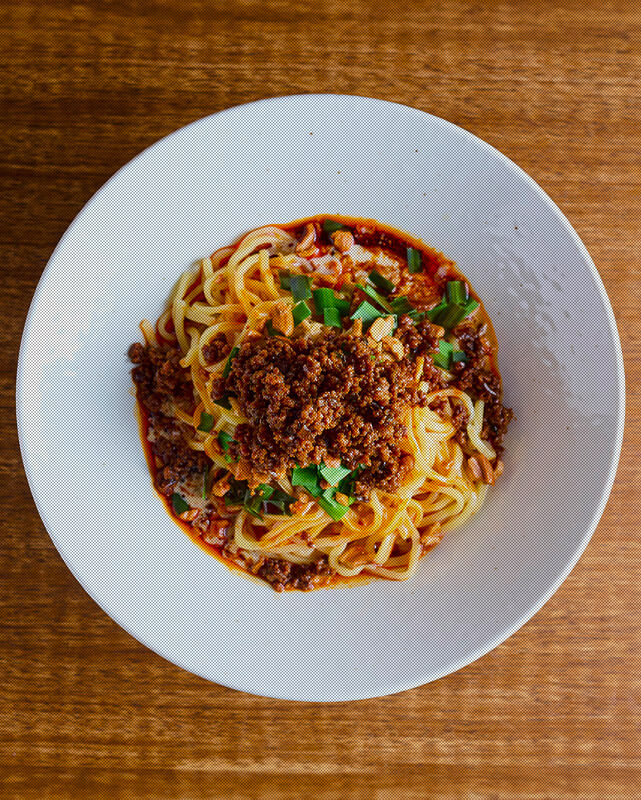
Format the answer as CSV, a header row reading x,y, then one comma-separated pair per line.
x,y
205,479
375,296
456,292
451,316
206,422
223,402
442,358
300,312
330,226
367,313
335,510
227,367
179,504
414,263
333,475
307,477
279,500
470,306
325,298
332,318
299,286
458,355
284,278
381,281
265,491
236,494
434,313
401,305
225,440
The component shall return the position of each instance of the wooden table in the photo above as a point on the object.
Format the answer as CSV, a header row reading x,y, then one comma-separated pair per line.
x,y
89,712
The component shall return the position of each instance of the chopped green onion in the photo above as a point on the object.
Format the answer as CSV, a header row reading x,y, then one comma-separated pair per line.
x,y
235,496
223,402
433,313
367,312
442,358
265,491
381,281
451,316
284,277
458,355
339,478
401,305
205,479
225,440
206,422
335,510
307,477
454,306
456,292
300,312
179,504
332,318
325,298
333,475
374,295
227,367
414,263
271,330
330,226
252,504
300,287
278,499
470,306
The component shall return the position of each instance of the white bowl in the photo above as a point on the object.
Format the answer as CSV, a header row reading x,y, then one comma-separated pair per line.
x,y
272,162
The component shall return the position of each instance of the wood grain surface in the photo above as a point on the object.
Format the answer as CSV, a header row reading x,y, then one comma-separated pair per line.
x,y
89,712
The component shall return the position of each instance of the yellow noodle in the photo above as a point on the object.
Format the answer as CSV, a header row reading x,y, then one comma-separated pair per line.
x,y
232,295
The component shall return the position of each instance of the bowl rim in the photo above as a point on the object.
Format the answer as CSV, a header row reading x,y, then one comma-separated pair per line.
x,y
392,687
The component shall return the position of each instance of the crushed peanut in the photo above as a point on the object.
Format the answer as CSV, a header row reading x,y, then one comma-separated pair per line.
x,y
394,346
343,240
282,318
381,327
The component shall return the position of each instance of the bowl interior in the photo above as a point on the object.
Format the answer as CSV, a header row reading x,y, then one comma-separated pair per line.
x,y
272,162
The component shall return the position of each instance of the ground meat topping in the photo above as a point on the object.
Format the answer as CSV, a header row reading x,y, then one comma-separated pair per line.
x,y
217,349
331,397
285,575
477,377
160,380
